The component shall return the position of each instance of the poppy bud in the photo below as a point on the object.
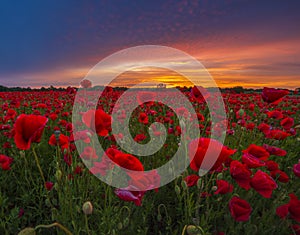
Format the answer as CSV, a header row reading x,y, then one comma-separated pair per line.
x,y
87,208
241,112
27,231
214,188
184,185
120,225
58,175
177,190
192,230
199,184
57,133
182,124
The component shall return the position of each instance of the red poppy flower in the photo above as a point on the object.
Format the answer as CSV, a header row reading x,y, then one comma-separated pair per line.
x,y
263,184
274,150
241,174
240,209
277,135
143,118
257,151
83,135
264,128
191,180
53,116
145,96
251,161
140,137
5,162
28,129
88,153
275,114
128,162
296,229
199,93
62,141
282,211
272,95
271,165
282,176
223,187
144,181
287,123
292,208
98,121
202,150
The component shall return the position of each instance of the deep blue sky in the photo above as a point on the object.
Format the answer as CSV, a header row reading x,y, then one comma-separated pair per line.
x,y
241,42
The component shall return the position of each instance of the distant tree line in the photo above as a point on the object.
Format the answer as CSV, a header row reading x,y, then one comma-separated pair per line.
x,y
237,89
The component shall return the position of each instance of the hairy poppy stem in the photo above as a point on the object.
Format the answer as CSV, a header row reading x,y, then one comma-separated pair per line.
x,y
38,165
52,225
87,225
184,229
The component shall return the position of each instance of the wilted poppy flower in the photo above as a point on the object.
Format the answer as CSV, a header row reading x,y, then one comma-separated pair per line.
x,y
28,129
241,174
98,121
21,213
274,150
263,184
223,187
191,180
202,150
240,209
49,185
130,196
272,95
257,151
296,169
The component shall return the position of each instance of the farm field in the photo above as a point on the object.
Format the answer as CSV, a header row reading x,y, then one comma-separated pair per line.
x,y
48,186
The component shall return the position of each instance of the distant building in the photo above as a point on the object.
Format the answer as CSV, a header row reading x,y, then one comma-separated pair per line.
x,y
161,85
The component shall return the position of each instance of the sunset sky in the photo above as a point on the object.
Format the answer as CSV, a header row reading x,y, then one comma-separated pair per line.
x,y
241,43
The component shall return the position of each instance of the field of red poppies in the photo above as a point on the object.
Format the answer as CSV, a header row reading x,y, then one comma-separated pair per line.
x,y
49,187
